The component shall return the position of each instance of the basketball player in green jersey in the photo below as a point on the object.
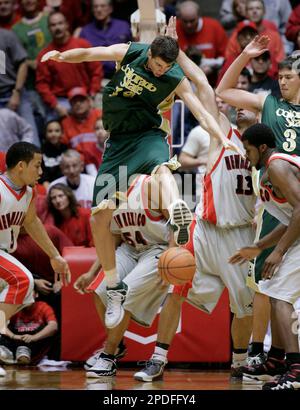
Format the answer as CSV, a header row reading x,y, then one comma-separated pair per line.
x,y
142,88
283,117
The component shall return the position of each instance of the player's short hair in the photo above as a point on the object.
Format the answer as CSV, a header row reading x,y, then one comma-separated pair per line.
x,y
21,151
166,48
292,62
259,134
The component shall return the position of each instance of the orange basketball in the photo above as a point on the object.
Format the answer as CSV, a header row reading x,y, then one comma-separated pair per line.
x,y
176,266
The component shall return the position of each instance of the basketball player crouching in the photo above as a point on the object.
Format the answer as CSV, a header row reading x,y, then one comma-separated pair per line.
x,y
142,235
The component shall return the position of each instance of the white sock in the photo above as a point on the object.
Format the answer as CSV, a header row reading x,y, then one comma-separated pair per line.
x,y
112,278
239,359
160,354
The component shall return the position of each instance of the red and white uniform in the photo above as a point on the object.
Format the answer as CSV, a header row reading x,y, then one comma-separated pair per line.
x,y
278,207
145,235
227,198
284,285
139,226
17,279
224,217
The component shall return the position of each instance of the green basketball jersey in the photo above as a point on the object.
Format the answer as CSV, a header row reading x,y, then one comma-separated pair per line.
x,y
134,99
284,120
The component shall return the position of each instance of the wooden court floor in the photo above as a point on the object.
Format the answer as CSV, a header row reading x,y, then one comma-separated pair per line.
x,y
74,379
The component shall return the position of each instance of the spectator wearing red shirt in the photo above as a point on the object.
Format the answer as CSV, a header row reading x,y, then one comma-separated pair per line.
x,y
8,15
205,33
293,27
54,80
29,335
79,125
255,11
68,216
92,152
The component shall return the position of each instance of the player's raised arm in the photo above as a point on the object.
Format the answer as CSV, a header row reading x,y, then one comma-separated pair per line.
x,y
205,119
116,52
226,88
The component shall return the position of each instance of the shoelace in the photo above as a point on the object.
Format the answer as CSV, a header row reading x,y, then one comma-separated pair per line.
x,y
114,298
254,360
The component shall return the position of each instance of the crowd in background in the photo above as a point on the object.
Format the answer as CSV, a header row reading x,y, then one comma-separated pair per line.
x,y
59,106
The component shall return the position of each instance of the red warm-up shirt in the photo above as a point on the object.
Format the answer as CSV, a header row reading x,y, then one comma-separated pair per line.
x,y
55,79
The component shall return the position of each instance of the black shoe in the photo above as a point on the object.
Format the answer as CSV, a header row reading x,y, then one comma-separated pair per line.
x,y
264,372
289,381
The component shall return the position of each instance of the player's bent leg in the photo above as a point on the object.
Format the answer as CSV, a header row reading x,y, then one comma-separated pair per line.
x,y
167,326
105,365
105,248
179,212
261,318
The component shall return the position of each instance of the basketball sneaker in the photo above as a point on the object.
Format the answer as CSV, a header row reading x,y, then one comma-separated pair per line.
x,y
114,309
91,361
180,220
264,372
288,381
237,372
153,369
104,367
6,355
2,372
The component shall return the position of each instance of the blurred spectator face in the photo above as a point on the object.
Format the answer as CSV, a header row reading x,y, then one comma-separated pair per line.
x,y
239,9
102,9
6,8
189,16
289,83
59,199
245,117
58,26
80,106
71,168
30,6
243,83
222,106
261,64
53,3
53,132
100,132
255,11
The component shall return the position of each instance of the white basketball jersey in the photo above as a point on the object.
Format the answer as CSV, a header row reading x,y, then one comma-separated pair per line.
x,y
227,198
139,226
278,207
13,208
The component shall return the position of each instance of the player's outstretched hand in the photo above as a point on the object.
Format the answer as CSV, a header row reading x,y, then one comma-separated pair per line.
x,y
82,283
61,269
245,254
171,28
257,46
51,55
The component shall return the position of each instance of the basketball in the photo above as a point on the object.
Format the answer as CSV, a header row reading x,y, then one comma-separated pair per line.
x,y
176,266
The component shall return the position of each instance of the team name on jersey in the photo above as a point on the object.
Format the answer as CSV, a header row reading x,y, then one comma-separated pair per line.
x,y
12,218
237,162
132,83
130,219
292,117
